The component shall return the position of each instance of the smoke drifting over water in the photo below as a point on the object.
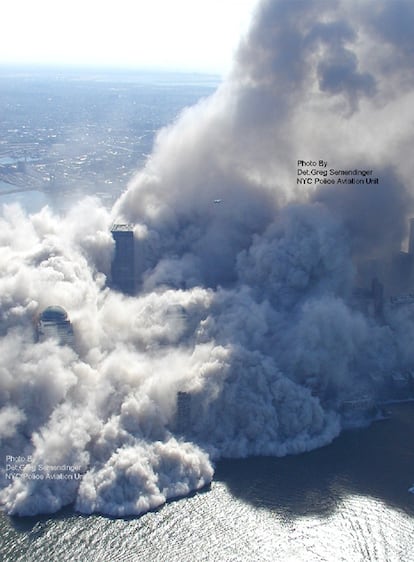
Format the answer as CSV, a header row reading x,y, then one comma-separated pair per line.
x,y
245,303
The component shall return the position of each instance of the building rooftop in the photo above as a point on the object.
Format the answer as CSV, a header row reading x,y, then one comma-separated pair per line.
x,y
119,227
54,314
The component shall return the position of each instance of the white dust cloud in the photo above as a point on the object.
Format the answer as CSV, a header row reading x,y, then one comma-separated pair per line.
x,y
246,304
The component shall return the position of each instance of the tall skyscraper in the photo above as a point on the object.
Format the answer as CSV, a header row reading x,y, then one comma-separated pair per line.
x,y
411,238
183,414
123,264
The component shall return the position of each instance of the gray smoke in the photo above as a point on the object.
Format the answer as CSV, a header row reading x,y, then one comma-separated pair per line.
x,y
245,304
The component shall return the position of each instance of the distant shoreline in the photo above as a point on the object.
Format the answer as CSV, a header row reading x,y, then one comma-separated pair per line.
x,y
139,75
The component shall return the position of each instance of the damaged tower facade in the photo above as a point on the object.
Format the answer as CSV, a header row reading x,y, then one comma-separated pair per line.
x,y
123,263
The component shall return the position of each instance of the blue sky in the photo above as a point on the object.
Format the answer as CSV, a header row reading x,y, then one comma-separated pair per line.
x,y
180,34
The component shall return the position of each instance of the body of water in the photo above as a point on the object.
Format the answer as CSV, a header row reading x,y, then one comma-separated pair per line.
x,y
346,502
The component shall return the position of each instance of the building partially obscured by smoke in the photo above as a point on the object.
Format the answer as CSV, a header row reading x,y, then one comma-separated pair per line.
x,y
370,300
53,322
377,291
360,410
401,386
123,264
388,279
183,415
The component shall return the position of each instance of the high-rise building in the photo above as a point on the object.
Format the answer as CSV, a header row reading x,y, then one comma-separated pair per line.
x,y
53,322
183,415
377,292
123,264
411,238
394,271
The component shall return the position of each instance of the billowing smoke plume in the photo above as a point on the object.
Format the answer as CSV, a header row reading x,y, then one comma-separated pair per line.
x,y
247,276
